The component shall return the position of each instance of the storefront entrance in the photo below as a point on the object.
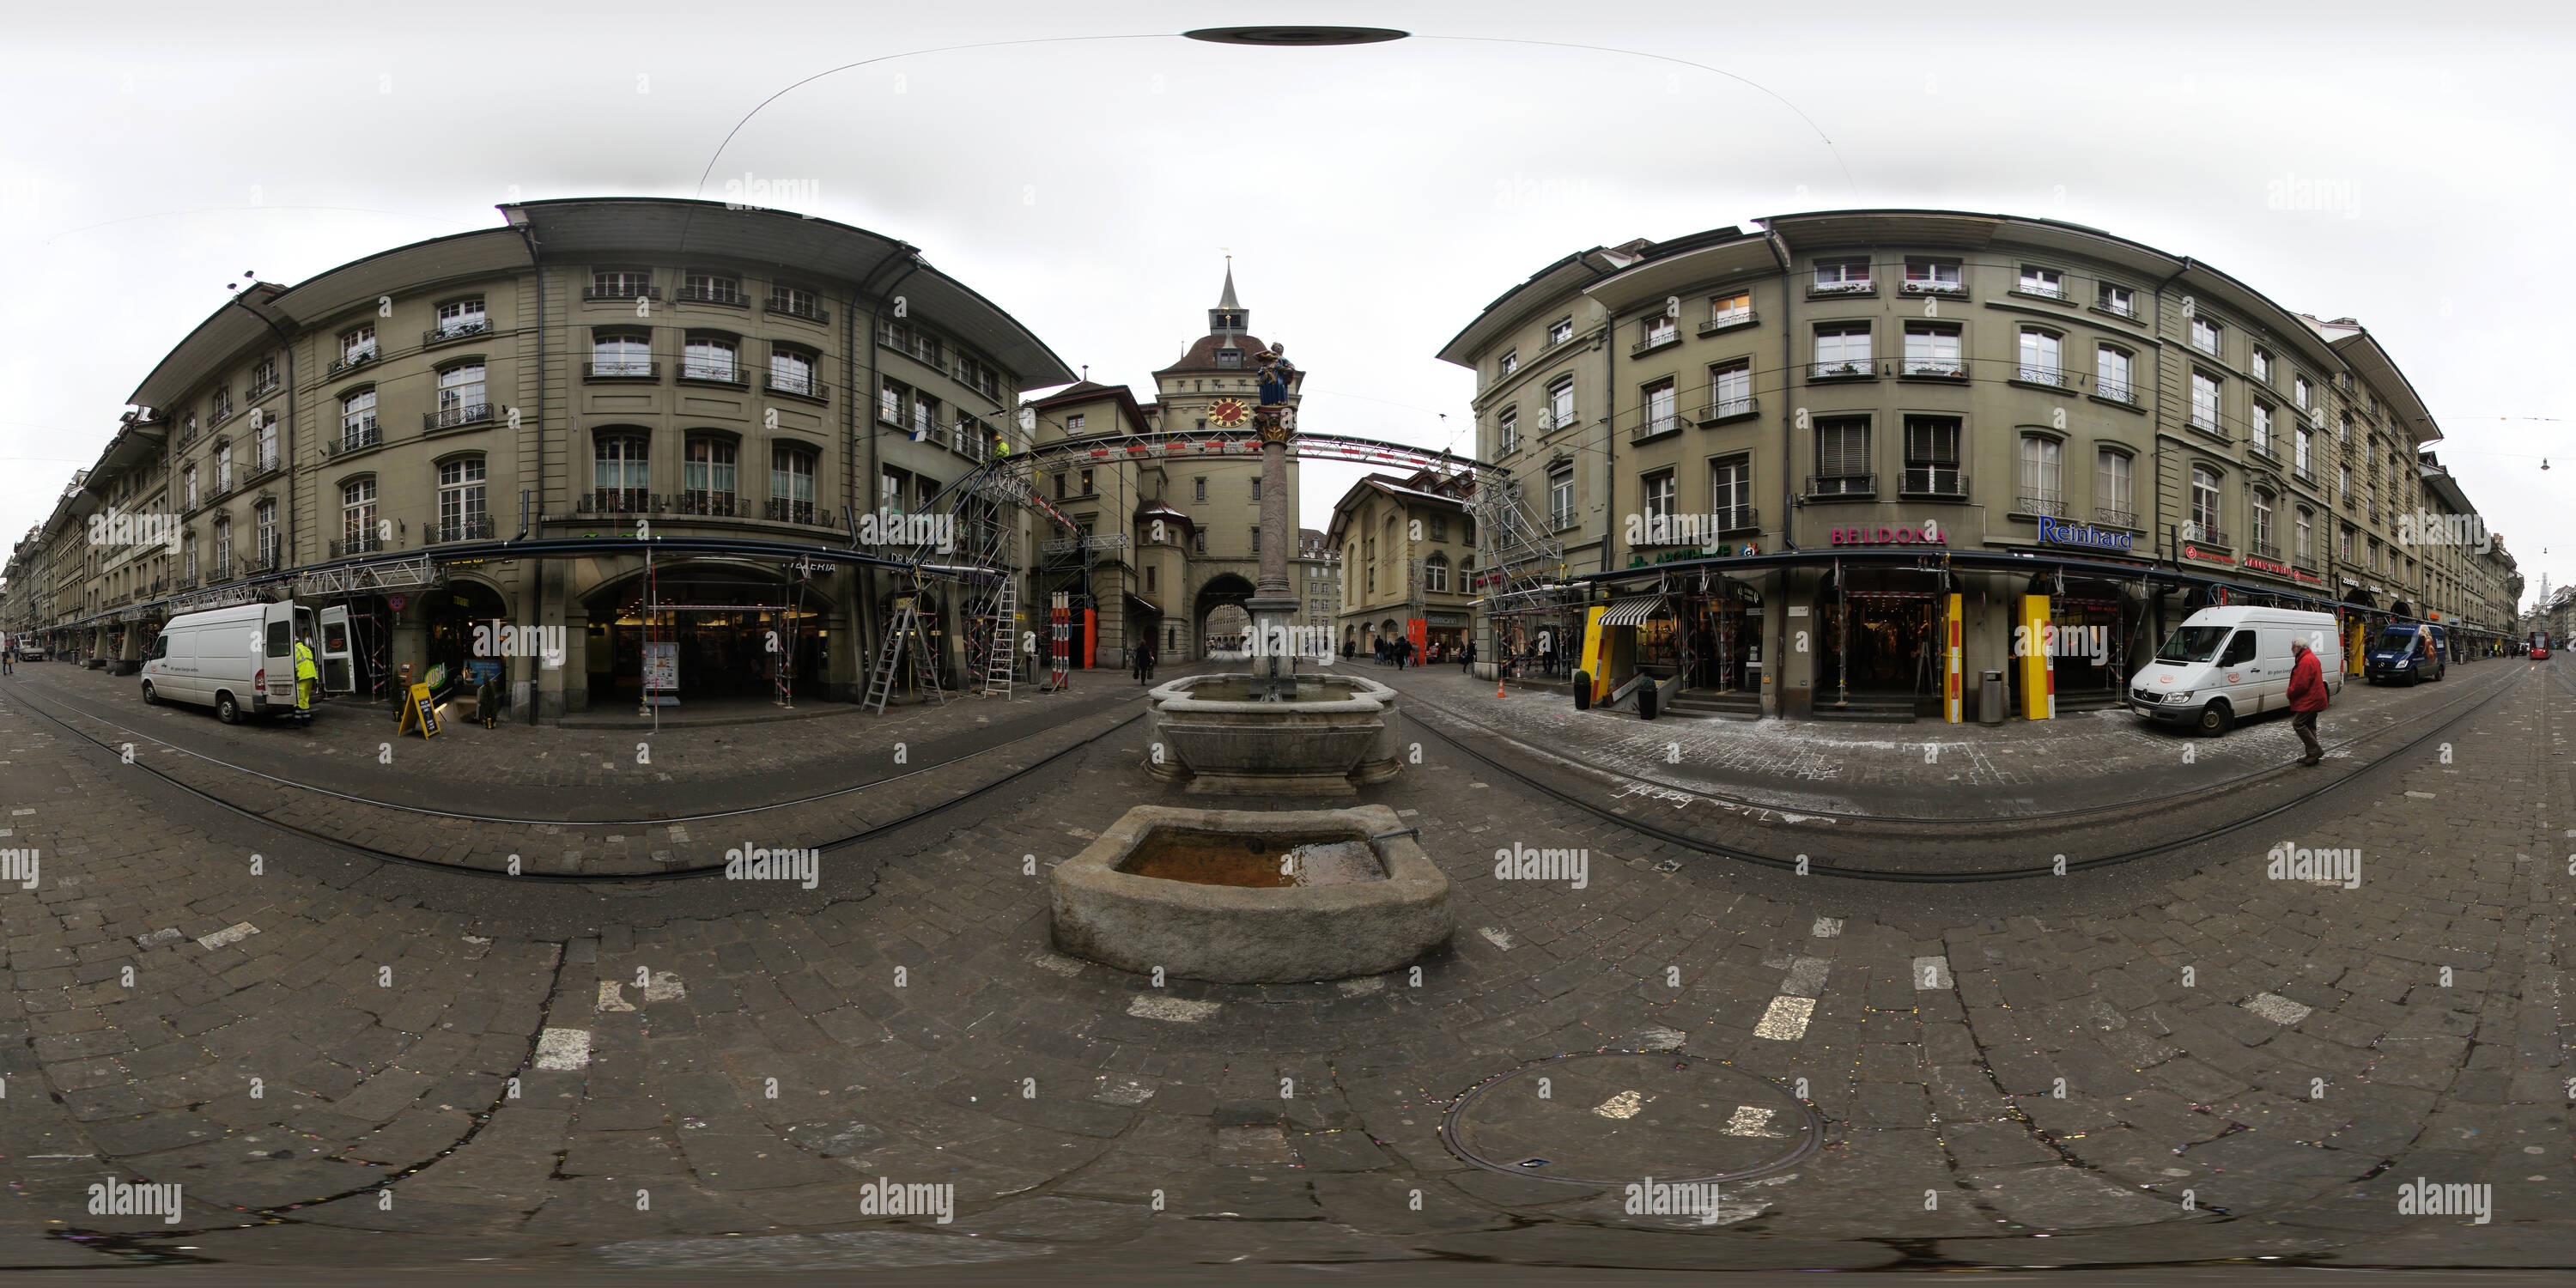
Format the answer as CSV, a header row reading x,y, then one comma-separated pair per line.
x,y
1723,634
1879,645
713,636
2092,659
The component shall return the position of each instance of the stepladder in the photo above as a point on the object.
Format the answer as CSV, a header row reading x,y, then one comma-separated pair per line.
x,y
906,652
999,636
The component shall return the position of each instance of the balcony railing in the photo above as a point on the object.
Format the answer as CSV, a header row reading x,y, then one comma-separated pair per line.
x,y
1842,370
1721,321
1933,286
713,505
1936,480
1935,368
2116,390
782,511
618,500
714,373
452,417
260,390
1864,286
1548,420
2207,536
223,571
355,437
2109,517
595,291
622,369
262,465
1842,485
2052,506
2129,311
805,386
2044,290
2055,377
1730,408
2266,549
1739,518
2305,475
352,358
261,562
2263,448
360,543
471,528
457,330
2305,563
727,295
809,312
1655,427
1655,340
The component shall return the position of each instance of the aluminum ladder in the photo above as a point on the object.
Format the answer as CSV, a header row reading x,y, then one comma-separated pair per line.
x,y
903,636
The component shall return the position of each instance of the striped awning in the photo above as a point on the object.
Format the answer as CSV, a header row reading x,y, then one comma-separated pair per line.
x,y
1632,611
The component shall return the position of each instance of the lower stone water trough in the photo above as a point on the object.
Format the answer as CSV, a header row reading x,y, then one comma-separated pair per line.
x,y
1253,897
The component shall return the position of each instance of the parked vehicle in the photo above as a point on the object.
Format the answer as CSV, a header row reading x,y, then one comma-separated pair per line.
x,y
30,651
2223,664
2412,654
240,660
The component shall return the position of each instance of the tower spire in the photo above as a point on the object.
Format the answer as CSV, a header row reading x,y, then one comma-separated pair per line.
x,y
1229,317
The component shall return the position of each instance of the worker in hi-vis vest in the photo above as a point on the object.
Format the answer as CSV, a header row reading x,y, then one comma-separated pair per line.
x,y
306,678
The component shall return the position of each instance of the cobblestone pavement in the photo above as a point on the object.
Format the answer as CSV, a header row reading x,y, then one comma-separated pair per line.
x,y
1928,768
345,1062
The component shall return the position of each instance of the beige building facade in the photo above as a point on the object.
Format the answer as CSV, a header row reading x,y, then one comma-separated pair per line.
x,y
1408,544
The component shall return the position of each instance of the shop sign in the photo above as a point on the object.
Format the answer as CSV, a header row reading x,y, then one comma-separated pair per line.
x,y
1928,534
1722,550
2304,575
2084,534
2273,566
2190,551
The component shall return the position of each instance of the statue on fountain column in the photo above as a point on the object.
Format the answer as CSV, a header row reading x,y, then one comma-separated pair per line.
x,y
1276,375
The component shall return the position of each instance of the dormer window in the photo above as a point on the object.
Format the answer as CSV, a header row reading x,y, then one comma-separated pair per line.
x,y
1229,357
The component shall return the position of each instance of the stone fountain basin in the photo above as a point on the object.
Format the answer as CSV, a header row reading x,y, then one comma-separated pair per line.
x,y
1337,736
1251,935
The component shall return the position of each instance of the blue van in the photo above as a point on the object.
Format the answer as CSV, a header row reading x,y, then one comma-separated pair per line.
x,y
2409,653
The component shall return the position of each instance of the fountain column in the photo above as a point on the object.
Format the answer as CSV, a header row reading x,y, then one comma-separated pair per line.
x,y
1274,601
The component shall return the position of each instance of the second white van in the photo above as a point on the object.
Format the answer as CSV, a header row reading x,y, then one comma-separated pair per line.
x,y
2223,664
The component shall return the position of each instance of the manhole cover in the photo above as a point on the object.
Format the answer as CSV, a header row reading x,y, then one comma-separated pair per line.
x,y
1616,1117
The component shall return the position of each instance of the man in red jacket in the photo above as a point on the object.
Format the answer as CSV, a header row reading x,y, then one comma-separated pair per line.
x,y
2307,698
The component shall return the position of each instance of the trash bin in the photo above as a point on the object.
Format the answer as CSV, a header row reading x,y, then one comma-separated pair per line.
x,y
1582,691
1990,697
1648,698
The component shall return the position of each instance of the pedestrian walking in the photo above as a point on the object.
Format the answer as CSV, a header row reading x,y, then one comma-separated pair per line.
x,y
1145,662
8,657
307,678
1467,661
2307,697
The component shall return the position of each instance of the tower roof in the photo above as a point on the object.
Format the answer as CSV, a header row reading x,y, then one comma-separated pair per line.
x,y
1226,300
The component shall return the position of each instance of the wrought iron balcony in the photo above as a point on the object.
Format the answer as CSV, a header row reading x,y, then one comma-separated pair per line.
x,y
441,531
726,293
795,386
2114,518
2263,447
261,390
1669,335
2044,290
1740,518
453,417
622,369
2052,506
1934,286
1948,481
262,465
782,511
352,358
713,505
2265,549
2118,391
2207,536
1730,409
809,312
357,543
1864,286
354,437
597,292
715,373
2054,377
1842,370
1655,427
1934,369
1719,322
618,500
1831,485
458,330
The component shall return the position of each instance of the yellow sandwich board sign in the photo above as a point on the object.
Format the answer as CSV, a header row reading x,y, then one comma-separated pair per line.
x,y
420,713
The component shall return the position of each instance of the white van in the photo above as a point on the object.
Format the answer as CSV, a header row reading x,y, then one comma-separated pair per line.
x,y
242,659
2224,663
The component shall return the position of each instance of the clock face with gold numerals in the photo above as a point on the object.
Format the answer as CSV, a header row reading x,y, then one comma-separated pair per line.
x,y
1229,412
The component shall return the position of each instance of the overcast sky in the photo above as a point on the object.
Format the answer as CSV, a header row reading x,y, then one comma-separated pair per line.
x,y
1091,180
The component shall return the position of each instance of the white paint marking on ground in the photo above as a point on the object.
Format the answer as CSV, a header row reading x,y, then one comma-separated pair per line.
x,y
1624,1105
18,812
1827,927
563,1050
2419,796
1786,1019
1806,977
679,833
1084,832
1658,1038
664,986
232,934
1058,963
1180,1010
1931,972
1753,1120
1500,939
2278,1009
612,996
1361,987
162,936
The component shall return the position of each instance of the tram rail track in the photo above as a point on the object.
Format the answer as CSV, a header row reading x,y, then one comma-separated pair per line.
x,y
2130,804
1807,866
862,836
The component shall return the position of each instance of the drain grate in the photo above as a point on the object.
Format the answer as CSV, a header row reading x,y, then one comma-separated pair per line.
x,y
1612,1117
